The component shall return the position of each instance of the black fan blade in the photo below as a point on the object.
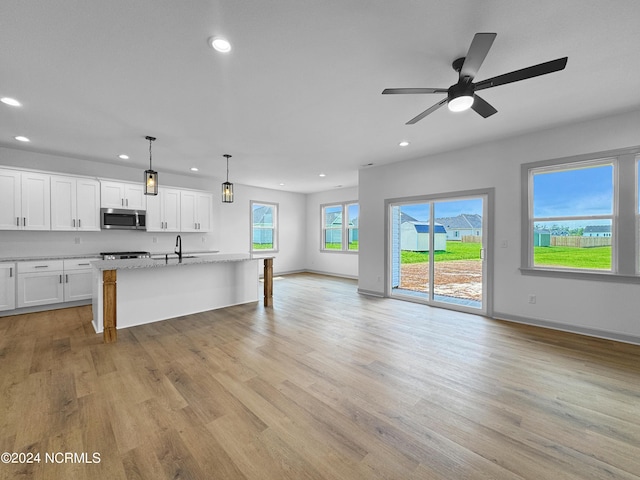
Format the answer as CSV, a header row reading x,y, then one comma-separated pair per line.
x,y
482,107
427,112
477,52
388,91
523,74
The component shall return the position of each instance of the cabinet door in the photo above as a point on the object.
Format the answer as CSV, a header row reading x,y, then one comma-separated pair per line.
x,y
88,204
111,195
154,220
7,286
204,204
40,289
10,212
36,201
78,285
63,203
171,209
135,199
188,207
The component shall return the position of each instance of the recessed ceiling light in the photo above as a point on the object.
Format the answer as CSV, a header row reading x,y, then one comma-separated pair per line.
x,y
220,44
20,138
123,156
322,175
282,184
10,101
404,143
194,169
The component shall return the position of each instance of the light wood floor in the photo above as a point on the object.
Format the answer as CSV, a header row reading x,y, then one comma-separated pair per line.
x,y
326,385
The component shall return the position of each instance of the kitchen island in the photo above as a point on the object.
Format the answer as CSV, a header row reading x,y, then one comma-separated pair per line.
x,y
144,290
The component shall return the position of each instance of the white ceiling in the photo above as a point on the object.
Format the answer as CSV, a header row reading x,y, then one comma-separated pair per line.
x,y
300,93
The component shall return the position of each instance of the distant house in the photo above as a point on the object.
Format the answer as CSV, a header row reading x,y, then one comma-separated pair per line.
x,y
597,231
334,235
463,224
414,236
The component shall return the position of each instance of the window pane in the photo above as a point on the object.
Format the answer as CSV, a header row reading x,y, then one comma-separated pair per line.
x,y
576,244
353,212
573,192
263,226
333,216
333,238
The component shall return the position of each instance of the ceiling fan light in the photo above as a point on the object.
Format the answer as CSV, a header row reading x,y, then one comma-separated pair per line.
x,y
461,103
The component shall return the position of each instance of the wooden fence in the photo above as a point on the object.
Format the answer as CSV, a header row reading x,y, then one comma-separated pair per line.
x,y
580,242
471,239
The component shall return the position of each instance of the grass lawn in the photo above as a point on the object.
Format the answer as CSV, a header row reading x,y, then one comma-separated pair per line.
x,y
455,251
338,246
573,257
569,257
263,246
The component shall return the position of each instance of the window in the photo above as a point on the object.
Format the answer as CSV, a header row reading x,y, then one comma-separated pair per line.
x,y
573,215
264,227
340,227
581,216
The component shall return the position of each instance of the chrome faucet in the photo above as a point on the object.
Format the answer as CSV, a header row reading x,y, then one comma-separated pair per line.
x,y
178,247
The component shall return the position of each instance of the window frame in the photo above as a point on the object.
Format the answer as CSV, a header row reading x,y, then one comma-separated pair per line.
x,y
275,228
345,229
625,218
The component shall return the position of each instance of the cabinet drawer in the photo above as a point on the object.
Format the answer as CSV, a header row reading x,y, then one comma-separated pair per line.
x,y
40,266
78,263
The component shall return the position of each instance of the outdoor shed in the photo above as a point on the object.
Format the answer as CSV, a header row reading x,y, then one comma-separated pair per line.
x,y
414,237
541,238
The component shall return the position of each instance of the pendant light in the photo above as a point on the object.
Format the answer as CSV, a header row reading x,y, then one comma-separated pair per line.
x,y
227,187
150,176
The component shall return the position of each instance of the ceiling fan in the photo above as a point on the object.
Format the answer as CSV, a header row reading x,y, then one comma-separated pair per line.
x,y
461,95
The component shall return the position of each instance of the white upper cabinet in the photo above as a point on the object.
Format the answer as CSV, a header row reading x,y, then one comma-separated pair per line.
x,y
25,200
163,211
122,195
7,286
75,203
195,211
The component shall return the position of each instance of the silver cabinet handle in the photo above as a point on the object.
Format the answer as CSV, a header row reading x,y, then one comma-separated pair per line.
x,y
127,202
122,202
79,224
83,264
74,223
42,266
10,272
17,221
60,278
24,221
66,279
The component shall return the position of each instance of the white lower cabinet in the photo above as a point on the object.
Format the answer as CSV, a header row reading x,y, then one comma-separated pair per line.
x,y
54,281
7,286
78,278
40,283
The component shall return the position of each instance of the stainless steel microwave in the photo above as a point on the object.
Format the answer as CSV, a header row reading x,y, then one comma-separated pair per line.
x,y
119,219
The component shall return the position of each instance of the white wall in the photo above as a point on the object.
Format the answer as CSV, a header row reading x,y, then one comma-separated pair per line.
x,y
593,307
230,221
343,264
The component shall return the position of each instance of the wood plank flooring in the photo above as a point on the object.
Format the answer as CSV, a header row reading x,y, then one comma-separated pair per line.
x,y
327,384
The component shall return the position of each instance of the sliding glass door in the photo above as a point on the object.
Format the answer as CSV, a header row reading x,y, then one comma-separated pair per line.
x,y
437,251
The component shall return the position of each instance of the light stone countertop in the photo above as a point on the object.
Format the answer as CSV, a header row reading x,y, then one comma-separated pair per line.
x,y
93,255
187,259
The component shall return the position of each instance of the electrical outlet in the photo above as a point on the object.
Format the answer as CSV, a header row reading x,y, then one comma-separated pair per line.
x,y
77,240
155,240
504,244
532,299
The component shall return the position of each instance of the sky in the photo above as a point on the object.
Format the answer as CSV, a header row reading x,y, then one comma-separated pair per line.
x,y
586,191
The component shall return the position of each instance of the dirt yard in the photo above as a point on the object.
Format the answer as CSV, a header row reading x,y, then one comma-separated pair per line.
x,y
458,278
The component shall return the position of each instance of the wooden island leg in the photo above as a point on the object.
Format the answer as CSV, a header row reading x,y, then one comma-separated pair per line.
x,y
109,289
268,282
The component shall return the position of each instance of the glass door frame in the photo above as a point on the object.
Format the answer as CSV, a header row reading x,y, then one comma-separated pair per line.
x,y
487,195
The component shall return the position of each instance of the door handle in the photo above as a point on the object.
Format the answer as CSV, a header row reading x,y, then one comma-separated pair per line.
x,y
482,254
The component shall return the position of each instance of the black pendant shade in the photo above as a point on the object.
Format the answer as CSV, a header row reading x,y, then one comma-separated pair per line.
x,y
150,176
227,187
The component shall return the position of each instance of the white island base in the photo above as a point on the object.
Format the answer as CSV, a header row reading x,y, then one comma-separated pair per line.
x,y
147,291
